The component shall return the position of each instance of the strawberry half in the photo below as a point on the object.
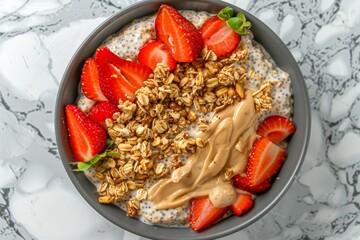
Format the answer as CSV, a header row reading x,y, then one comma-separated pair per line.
x,y
219,37
154,52
87,138
242,182
242,204
90,81
179,34
203,213
101,111
265,160
276,128
113,83
135,73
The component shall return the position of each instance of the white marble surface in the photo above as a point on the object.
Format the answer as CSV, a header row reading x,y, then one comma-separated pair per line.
x,y
37,200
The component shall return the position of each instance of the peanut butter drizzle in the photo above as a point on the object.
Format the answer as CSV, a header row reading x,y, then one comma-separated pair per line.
x,y
228,143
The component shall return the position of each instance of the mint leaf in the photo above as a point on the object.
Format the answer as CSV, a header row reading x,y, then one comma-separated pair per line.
x,y
112,154
109,142
83,166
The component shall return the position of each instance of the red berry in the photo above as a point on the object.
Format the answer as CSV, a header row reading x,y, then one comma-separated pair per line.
x,y
276,128
219,37
87,138
101,111
265,161
90,81
114,85
242,204
154,52
203,213
242,182
179,34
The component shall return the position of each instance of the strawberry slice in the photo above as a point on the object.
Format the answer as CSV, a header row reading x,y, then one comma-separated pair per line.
x,y
203,213
134,72
154,52
276,128
242,182
265,160
90,81
242,204
219,37
113,84
101,111
87,138
179,34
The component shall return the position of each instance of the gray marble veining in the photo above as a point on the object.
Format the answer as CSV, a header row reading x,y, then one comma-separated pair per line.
x,y
38,38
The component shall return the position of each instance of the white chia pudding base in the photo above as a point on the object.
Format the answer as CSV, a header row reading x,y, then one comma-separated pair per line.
x,y
126,44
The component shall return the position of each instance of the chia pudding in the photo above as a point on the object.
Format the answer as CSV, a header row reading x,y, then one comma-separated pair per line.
x,y
260,69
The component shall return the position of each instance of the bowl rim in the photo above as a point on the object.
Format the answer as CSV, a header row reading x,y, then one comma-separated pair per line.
x,y
59,107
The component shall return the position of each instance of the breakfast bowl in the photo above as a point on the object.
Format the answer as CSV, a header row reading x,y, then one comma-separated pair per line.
x,y
296,146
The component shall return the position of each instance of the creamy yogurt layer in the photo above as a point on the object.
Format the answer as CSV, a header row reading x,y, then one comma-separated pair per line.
x,y
128,41
260,68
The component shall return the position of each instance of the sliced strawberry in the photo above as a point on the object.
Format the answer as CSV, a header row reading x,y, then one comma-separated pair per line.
x,y
113,83
276,128
219,37
90,81
203,213
154,52
179,34
134,72
265,160
101,111
242,182
87,138
242,204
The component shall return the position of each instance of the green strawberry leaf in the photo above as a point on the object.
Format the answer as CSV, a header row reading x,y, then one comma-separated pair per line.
x,y
238,23
241,31
234,22
109,143
83,166
241,16
247,24
226,13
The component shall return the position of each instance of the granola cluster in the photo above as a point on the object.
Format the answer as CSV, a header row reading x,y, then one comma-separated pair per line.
x,y
151,133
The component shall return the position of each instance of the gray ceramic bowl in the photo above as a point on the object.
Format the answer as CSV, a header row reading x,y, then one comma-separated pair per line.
x,y
296,148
